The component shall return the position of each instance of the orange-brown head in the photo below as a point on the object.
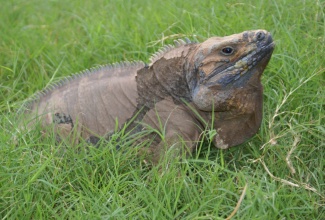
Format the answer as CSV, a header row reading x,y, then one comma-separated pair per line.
x,y
225,63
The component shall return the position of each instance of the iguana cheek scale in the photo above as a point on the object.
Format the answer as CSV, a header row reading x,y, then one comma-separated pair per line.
x,y
183,86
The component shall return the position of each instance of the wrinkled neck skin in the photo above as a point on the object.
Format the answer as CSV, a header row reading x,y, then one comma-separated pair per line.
x,y
237,111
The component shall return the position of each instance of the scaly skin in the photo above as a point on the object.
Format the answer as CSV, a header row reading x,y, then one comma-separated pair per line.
x,y
183,87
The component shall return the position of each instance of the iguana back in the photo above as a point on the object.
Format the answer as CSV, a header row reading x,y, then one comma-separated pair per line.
x,y
92,101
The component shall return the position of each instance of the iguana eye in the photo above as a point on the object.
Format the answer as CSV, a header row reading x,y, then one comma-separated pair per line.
x,y
227,50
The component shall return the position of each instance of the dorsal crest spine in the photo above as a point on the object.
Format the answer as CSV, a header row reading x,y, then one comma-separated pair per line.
x,y
67,79
177,43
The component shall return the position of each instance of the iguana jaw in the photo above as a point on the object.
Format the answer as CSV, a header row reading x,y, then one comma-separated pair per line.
x,y
240,71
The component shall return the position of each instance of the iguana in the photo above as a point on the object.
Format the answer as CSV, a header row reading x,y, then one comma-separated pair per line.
x,y
183,86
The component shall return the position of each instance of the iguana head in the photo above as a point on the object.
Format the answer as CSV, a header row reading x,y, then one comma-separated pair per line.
x,y
222,64
225,79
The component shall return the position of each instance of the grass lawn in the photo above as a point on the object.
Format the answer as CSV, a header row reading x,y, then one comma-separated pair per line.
x,y
278,174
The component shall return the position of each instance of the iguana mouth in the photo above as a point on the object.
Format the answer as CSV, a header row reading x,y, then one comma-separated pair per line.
x,y
239,69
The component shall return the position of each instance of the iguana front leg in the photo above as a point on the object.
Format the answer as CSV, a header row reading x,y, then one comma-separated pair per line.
x,y
178,127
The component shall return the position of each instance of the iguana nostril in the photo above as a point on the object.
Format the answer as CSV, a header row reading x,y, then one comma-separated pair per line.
x,y
260,36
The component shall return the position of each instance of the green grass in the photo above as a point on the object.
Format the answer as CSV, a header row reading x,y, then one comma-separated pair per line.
x,y
42,41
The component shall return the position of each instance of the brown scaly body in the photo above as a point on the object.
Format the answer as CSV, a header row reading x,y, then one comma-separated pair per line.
x,y
221,74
